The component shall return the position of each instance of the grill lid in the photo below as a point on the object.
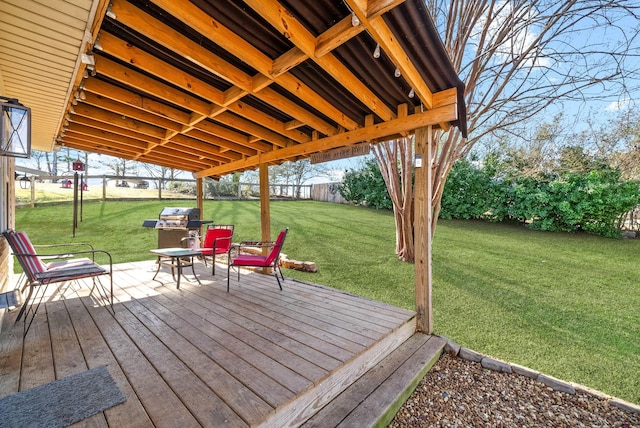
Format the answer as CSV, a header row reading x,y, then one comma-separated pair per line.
x,y
180,213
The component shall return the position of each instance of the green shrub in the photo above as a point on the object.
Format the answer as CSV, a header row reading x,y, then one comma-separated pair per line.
x,y
591,201
366,187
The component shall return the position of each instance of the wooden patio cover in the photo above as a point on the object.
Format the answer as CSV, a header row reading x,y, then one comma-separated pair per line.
x,y
213,87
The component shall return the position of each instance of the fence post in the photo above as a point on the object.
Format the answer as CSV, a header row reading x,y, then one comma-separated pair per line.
x,y
33,191
104,188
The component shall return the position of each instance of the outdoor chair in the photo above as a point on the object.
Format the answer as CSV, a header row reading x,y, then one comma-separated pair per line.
x,y
67,266
238,259
217,240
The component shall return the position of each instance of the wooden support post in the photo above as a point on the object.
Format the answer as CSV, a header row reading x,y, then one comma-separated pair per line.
x,y
423,212
33,190
199,195
265,211
199,202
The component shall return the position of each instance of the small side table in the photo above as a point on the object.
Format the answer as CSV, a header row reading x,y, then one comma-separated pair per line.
x,y
174,257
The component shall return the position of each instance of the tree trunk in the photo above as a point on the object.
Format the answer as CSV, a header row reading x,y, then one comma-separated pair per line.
x,y
395,159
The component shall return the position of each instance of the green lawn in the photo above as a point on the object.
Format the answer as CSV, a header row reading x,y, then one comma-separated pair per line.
x,y
567,305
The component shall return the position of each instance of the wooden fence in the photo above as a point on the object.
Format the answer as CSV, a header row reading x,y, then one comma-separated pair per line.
x,y
327,192
46,189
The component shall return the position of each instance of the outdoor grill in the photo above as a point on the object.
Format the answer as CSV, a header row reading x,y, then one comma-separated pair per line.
x,y
174,224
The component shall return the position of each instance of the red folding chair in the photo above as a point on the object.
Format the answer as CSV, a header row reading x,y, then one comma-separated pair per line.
x,y
271,260
217,240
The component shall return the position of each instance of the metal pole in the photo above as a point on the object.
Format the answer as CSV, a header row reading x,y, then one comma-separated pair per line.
x,y
75,202
83,180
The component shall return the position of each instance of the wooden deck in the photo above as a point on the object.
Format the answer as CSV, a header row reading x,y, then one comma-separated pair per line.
x,y
200,356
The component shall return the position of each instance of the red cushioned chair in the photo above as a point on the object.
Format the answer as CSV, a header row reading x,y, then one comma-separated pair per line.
x,y
271,260
217,240
68,268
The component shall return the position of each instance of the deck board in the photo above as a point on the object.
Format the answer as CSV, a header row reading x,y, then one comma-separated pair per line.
x,y
199,356
97,353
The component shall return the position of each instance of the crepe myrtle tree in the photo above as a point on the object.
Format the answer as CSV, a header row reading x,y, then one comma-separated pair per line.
x,y
517,59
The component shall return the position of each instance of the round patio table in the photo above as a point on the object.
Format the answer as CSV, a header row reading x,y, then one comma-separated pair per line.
x,y
176,257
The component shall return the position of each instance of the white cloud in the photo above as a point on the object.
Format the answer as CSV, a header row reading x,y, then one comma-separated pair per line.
x,y
618,105
519,41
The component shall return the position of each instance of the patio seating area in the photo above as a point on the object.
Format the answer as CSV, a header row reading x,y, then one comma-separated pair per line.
x,y
202,356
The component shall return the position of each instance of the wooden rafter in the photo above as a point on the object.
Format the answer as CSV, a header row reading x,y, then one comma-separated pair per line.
x,y
296,33
149,105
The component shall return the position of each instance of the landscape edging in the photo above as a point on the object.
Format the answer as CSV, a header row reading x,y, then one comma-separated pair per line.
x,y
490,363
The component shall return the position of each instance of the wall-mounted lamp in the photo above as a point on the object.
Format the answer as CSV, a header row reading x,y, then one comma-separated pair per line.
x,y
15,128
25,182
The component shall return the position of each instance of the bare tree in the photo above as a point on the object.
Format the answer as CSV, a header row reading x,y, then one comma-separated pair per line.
x,y
517,58
164,173
618,141
295,173
38,156
119,166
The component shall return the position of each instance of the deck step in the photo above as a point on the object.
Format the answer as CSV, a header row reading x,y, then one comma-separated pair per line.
x,y
374,399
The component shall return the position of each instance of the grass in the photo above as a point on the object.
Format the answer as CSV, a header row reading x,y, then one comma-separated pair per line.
x,y
564,304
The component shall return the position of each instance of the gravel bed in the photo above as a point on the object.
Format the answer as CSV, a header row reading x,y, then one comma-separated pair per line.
x,y
461,393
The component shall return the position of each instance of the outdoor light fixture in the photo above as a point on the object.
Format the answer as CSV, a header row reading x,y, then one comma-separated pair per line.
x,y
354,20
412,93
397,72
376,52
15,128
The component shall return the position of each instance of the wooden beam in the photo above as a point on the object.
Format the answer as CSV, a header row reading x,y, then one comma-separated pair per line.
x,y
83,120
429,117
111,148
120,140
210,131
265,208
243,109
200,199
423,212
283,104
147,62
201,149
235,45
228,139
172,39
378,7
117,120
284,22
340,33
287,61
130,54
240,123
130,112
101,137
143,83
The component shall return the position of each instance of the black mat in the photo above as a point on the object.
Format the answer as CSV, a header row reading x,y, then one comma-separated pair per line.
x,y
63,402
